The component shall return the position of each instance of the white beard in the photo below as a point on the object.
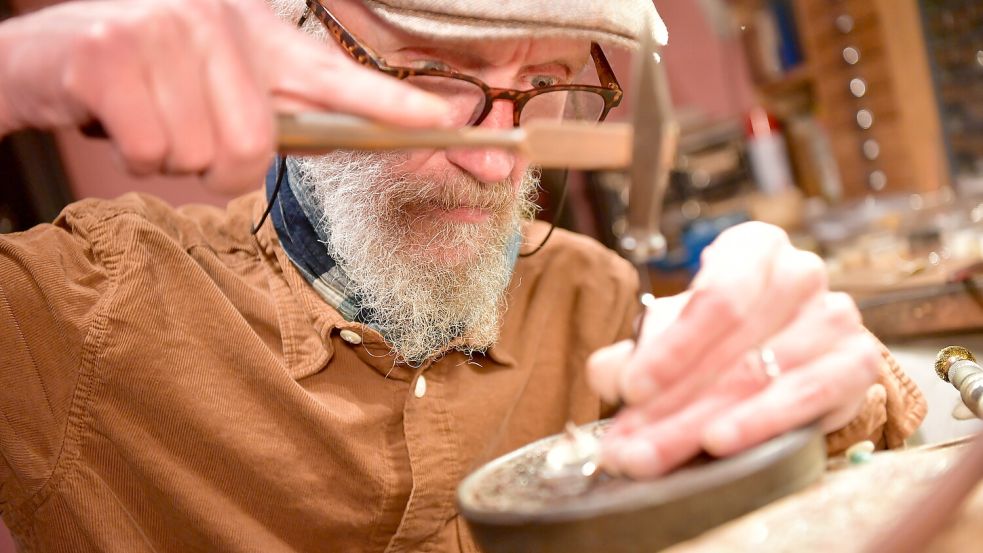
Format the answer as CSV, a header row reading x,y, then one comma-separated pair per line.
x,y
429,284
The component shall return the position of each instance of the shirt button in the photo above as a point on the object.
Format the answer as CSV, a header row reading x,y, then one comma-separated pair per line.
x,y
351,337
420,389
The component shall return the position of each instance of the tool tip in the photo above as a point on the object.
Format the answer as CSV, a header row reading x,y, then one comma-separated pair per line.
x,y
949,355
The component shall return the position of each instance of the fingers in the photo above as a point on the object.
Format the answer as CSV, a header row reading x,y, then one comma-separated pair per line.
x,y
303,71
716,307
705,390
823,386
128,109
607,365
823,323
604,368
744,407
795,278
642,443
648,446
187,86
181,99
741,295
242,111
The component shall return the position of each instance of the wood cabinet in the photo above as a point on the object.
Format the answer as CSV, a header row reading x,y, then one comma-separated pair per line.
x,y
867,79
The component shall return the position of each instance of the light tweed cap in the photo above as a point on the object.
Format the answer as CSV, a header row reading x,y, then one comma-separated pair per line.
x,y
615,22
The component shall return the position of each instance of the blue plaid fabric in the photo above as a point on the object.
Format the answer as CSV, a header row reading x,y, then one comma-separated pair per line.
x,y
292,216
307,250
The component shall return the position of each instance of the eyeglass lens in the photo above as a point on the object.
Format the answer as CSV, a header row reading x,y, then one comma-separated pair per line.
x,y
467,101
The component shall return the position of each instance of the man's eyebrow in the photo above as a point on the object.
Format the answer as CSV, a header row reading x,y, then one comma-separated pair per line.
x,y
472,60
464,58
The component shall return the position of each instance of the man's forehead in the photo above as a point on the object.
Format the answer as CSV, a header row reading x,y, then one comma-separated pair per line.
x,y
615,22
570,52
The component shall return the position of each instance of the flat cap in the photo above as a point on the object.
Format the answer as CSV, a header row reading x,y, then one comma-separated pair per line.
x,y
615,22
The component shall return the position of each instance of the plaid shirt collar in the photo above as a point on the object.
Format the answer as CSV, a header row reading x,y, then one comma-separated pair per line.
x,y
307,250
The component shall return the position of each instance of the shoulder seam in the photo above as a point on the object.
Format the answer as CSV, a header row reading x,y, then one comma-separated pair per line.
x,y
79,414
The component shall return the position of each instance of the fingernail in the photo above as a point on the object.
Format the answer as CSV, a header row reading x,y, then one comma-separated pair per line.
x,y
642,388
721,438
639,457
609,456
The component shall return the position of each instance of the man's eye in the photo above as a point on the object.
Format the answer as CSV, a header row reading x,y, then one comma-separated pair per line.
x,y
543,81
432,65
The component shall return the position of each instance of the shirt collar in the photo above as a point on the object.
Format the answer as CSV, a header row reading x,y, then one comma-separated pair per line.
x,y
307,348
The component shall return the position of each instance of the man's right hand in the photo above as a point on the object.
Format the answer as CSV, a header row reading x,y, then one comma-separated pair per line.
x,y
186,86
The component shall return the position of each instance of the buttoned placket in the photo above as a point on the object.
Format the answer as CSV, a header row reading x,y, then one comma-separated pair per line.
x,y
431,443
430,432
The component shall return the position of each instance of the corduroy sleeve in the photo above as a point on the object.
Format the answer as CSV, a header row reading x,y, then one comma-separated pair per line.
x,y
892,411
49,286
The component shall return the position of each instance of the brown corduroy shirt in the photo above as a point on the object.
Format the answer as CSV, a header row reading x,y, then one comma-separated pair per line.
x,y
169,382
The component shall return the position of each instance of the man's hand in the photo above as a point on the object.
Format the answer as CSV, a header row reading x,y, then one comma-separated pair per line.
x,y
186,86
696,379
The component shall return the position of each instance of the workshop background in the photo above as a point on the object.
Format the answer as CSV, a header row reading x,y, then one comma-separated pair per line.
x,y
857,125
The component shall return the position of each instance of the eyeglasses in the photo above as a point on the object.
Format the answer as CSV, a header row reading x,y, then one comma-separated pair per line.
x,y
472,100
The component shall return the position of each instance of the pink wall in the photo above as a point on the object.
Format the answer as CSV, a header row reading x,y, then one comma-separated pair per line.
x,y
707,72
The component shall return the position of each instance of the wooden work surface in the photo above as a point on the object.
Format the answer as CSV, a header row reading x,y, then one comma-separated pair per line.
x,y
847,507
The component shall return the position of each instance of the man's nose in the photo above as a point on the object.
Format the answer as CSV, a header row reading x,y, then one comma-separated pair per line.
x,y
488,165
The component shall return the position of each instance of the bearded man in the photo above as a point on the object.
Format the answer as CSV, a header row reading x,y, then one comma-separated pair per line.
x,y
173,380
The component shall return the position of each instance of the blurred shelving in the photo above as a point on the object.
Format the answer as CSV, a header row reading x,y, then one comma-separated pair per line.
x,y
865,77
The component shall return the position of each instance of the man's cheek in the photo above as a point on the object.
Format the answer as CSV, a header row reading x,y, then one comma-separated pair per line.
x,y
416,161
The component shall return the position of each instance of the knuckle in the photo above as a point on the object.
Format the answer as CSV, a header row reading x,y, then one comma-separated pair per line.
x,y
721,305
144,153
864,357
757,231
170,21
819,393
870,358
250,146
76,80
811,263
105,35
841,311
193,160
809,267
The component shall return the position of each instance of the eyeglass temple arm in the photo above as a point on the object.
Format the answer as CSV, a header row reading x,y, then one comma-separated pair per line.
x,y
604,70
345,37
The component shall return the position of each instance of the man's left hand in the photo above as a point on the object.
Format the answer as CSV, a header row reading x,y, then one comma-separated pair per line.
x,y
698,378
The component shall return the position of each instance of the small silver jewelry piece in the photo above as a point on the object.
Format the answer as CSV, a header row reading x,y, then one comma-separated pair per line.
x,y
571,464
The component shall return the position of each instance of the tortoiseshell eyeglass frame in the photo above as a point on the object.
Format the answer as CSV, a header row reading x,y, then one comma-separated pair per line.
x,y
610,90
